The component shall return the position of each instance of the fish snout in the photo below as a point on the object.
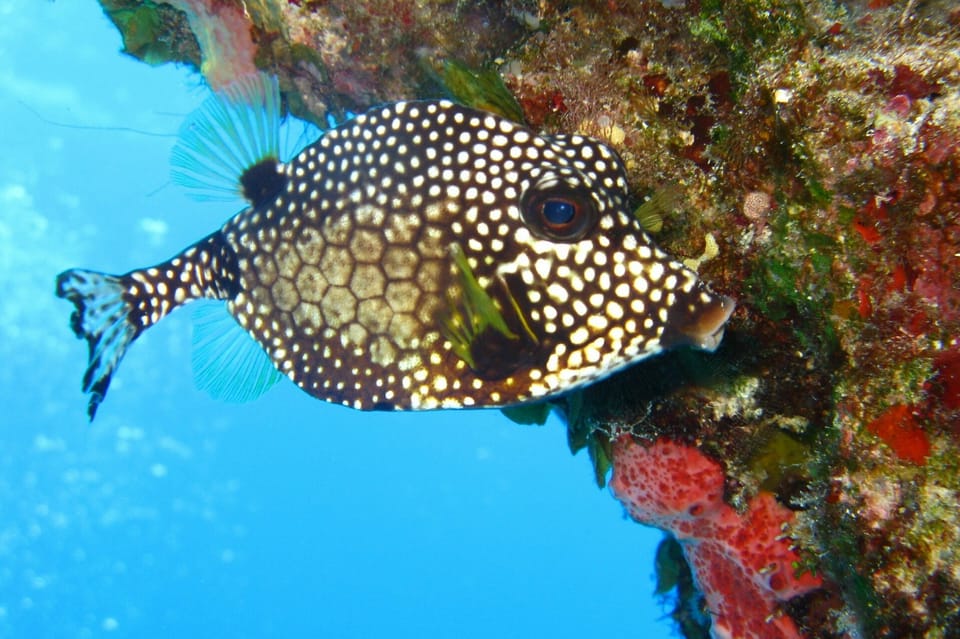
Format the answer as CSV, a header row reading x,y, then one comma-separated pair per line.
x,y
704,327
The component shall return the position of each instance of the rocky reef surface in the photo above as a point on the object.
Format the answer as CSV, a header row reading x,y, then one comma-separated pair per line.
x,y
804,156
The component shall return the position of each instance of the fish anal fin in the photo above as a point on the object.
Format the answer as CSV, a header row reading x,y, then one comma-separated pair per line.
x,y
227,363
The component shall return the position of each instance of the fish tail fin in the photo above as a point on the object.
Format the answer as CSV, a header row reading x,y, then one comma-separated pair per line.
x,y
101,316
110,311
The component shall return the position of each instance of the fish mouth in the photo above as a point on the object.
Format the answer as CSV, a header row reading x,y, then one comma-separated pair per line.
x,y
705,330
709,330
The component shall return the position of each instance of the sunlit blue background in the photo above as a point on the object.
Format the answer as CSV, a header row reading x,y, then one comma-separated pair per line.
x,y
177,516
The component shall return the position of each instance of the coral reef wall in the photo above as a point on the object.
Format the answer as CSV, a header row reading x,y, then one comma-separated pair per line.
x,y
805,157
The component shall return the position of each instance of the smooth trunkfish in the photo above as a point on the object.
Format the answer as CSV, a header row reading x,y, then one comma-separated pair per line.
x,y
421,255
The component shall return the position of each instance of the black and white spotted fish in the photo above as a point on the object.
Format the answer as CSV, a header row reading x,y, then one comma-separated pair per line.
x,y
420,255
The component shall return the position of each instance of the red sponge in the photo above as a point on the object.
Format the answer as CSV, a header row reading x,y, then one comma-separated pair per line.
x,y
743,563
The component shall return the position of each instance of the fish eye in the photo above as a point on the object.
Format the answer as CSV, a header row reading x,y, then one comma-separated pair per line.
x,y
557,210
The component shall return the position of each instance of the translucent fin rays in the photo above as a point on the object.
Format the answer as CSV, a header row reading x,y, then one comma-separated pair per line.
x,y
227,363
232,131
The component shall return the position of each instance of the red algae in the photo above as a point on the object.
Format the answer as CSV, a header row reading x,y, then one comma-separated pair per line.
x,y
898,428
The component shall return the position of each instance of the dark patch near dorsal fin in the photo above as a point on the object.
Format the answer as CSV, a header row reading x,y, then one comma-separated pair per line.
x,y
262,182
234,132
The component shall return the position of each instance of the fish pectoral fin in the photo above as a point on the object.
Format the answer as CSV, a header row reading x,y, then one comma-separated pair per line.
x,y
529,414
227,363
496,355
487,326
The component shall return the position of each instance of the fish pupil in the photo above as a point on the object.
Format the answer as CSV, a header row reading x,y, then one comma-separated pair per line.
x,y
557,212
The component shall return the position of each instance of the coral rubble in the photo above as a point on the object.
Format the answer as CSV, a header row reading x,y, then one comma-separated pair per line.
x,y
811,150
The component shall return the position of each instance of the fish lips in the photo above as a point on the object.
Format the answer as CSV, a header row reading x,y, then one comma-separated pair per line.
x,y
703,329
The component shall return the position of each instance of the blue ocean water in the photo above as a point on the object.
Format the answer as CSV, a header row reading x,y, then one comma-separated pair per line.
x,y
176,515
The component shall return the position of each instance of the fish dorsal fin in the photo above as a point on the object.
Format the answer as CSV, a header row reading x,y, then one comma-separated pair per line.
x,y
227,363
230,146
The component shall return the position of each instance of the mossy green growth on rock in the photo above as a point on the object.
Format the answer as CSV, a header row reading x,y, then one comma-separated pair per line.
x,y
748,32
786,283
582,433
673,574
780,458
153,32
299,56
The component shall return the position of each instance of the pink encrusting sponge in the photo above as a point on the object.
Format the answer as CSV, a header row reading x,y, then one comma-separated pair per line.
x,y
743,563
223,32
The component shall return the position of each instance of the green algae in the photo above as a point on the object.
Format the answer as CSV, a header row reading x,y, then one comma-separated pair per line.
x,y
659,204
842,537
748,33
668,564
153,32
481,89
673,574
779,458
787,281
301,56
601,459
